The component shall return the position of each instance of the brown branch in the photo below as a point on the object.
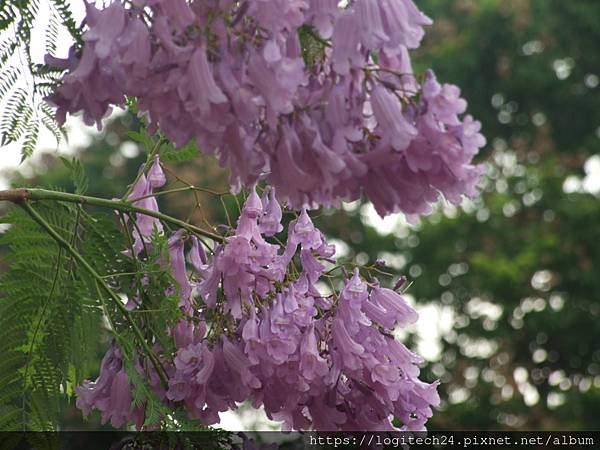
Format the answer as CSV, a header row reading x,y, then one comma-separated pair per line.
x,y
16,196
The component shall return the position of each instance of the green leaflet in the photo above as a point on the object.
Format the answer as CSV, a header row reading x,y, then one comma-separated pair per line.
x,y
78,175
169,153
313,46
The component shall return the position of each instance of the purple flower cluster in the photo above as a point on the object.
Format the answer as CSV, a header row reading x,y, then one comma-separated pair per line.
x,y
111,393
232,76
259,327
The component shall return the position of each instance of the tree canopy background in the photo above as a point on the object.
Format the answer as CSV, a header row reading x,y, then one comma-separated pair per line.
x,y
510,278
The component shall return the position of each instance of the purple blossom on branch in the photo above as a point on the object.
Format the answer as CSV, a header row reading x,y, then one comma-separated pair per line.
x,y
256,327
231,77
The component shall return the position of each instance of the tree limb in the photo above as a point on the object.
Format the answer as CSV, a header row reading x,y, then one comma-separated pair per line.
x,y
21,196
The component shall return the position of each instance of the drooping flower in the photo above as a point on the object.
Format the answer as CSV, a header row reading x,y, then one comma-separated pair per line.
x,y
393,125
110,393
270,222
255,326
156,176
395,307
179,268
269,109
141,196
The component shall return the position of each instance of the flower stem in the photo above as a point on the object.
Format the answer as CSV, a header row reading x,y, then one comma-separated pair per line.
x,y
181,189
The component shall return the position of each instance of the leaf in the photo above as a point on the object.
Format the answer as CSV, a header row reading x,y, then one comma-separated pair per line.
x,y
77,173
169,153
312,45
30,141
141,137
16,112
9,78
26,320
52,33
67,20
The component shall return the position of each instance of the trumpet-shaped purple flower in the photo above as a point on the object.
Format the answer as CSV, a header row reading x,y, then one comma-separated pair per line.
x,y
270,221
262,332
179,268
145,225
156,176
111,393
312,364
388,112
252,100
396,309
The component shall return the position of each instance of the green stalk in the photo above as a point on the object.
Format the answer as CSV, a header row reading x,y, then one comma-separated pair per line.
x,y
21,196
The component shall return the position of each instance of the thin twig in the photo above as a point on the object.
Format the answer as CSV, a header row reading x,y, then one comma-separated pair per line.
x,y
182,189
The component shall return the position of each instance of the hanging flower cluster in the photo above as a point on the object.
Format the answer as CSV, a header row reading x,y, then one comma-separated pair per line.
x,y
317,99
258,327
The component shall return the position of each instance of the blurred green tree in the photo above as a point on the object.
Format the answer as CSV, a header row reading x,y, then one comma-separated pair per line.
x,y
514,271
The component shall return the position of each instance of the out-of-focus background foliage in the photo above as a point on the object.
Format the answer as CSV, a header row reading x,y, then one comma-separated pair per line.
x,y
508,286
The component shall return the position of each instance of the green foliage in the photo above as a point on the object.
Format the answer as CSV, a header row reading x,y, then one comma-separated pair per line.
x,y
78,175
313,46
25,83
45,315
52,308
167,150
170,154
143,138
